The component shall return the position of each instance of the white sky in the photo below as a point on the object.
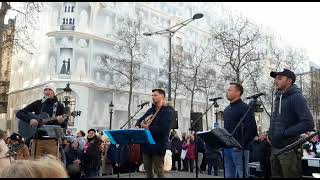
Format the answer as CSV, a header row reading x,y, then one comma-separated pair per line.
x,y
296,22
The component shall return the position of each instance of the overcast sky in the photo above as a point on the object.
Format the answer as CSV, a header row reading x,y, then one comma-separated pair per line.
x,y
297,22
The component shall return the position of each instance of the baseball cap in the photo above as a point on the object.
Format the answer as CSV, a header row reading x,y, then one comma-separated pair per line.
x,y
285,72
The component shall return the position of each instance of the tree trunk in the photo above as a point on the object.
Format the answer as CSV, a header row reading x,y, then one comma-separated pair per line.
x,y
207,104
130,87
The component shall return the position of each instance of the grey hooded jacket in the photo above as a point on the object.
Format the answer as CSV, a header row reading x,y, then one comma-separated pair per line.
x,y
290,117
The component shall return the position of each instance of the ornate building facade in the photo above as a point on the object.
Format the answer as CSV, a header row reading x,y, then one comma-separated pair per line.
x,y
73,38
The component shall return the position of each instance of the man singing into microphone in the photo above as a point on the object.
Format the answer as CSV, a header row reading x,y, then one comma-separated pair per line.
x,y
231,116
49,104
290,118
158,120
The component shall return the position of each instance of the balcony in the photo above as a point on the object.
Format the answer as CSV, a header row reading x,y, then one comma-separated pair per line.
x,y
69,27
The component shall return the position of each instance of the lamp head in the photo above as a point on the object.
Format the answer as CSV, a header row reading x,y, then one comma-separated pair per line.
x,y
197,16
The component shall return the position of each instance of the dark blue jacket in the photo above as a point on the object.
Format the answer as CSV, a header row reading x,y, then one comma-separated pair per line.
x,y
232,115
290,117
159,129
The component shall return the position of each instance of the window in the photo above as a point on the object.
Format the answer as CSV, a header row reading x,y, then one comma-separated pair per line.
x,y
68,8
70,21
64,21
72,8
73,21
65,9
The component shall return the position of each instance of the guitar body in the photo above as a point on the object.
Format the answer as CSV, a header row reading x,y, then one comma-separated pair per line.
x,y
24,128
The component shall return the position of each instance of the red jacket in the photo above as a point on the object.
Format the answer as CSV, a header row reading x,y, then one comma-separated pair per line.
x,y
191,155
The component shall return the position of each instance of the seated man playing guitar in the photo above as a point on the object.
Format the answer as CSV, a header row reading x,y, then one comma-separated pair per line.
x,y
47,111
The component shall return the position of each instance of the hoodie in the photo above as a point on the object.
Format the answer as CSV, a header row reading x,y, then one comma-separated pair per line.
x,y
290,117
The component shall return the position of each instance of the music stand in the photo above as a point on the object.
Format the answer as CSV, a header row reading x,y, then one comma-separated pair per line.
x,y
219,138
129,136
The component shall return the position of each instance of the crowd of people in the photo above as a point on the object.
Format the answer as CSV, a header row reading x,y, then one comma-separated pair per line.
x,y
91,154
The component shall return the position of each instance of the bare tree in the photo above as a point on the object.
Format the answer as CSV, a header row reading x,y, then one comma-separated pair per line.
x,y
208,85
237,42
130,55
177,73
193,67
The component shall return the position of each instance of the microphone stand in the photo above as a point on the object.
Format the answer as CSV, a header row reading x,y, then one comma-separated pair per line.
x,y
132,117
297,143
253,104
192,126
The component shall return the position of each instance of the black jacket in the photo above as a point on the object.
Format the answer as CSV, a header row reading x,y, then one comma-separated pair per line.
x,y
159,129
91,156
176,144
73,154
47,107
232,115
290,117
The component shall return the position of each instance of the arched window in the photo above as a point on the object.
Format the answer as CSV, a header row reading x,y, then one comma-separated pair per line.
x,y
68,8
72,8
64,21
65,9
70,21
73,21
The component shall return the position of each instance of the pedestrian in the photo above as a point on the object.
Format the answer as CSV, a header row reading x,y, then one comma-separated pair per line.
x,y
158,121
17,145
176,148
191,153
233,157
73,159
290,118
91,158
213,159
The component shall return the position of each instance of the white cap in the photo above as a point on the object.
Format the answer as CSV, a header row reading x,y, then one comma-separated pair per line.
x,y
51,86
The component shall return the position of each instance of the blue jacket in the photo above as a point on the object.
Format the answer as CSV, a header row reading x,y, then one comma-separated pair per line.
x,y
159,129
290,117
232,115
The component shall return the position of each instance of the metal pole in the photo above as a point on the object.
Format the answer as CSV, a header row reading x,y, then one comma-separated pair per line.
x,y
169,70
110,119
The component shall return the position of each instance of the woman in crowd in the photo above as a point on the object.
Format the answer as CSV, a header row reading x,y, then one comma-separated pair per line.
x,y
190,156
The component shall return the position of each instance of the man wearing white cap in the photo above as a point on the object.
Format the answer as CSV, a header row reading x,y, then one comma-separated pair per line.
x,y
48,104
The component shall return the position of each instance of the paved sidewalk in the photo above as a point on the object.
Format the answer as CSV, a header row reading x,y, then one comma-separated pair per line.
x,y
171,174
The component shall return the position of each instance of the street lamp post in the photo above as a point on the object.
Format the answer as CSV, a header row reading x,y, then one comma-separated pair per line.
x,y
171,31
110,111
67,102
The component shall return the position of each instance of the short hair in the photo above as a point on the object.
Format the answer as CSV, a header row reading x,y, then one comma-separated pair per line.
x,y
46,167
92,130
82,133
238,86
160,91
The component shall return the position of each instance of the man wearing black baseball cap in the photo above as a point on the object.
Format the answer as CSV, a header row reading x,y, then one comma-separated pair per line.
x,y
290,118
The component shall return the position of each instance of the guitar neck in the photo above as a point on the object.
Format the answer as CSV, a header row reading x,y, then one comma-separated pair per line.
x,y
44,121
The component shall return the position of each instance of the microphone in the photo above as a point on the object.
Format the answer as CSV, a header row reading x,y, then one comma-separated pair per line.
x,y
256,95
44,99
214,99
142,104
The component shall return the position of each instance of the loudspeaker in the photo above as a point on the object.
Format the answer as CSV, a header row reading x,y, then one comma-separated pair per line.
x,y
194,116
174,122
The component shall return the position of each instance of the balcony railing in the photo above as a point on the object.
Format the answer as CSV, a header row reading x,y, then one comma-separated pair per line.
x,y
69,27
